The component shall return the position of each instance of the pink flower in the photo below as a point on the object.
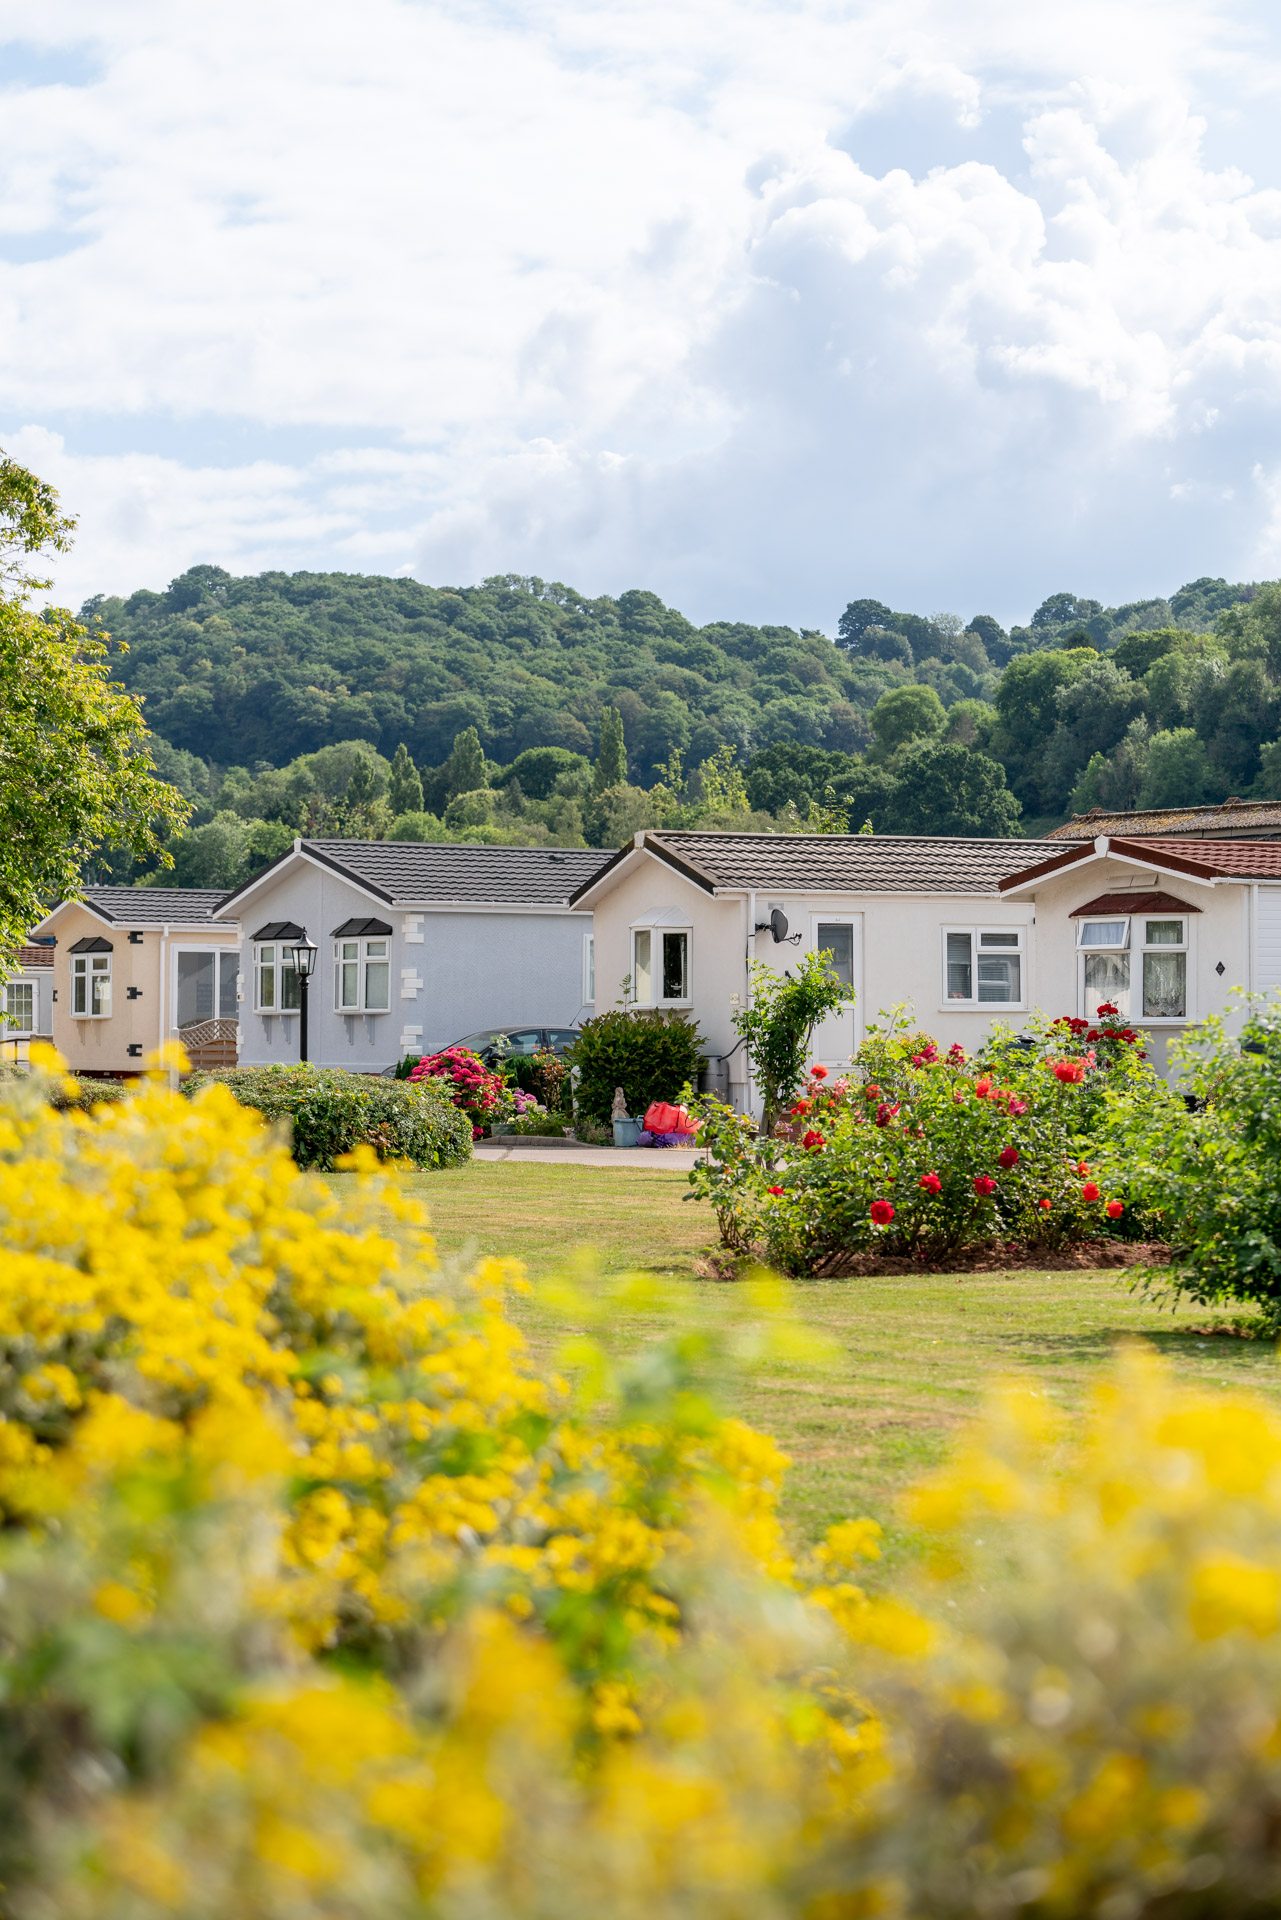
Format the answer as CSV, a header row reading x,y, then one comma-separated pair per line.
x,y
1008,1157
885,1113
1018,1106
1089,1191
1115,1209
984,1185
930,1183
882,1213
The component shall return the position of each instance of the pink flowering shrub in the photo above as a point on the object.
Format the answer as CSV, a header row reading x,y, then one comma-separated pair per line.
x,y
921,1153
482,1095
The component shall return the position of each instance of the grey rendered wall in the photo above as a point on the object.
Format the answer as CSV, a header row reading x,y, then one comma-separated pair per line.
x,y
451,973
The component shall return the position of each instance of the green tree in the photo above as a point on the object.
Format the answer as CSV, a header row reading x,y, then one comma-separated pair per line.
x,y
467,770
777,1024
539,772
942,787
611,757
210,856
908,713
75,771
1177,773
404,788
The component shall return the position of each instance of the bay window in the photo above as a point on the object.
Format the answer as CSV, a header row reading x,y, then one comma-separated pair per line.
x,y
276,987
1115,950
362,976
91,986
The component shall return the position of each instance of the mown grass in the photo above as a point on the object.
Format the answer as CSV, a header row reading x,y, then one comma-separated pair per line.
x,y
912,1355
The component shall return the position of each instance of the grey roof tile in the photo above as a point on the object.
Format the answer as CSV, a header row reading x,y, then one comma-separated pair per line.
x,y
846,863
414,872
155,906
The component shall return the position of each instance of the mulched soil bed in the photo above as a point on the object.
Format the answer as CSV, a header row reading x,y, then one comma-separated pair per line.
x,y
996,1256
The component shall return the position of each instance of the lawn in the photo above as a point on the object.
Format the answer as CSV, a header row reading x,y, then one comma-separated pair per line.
x,y
912,1354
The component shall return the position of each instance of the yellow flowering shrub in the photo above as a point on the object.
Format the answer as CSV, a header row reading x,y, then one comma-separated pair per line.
x,y
317,1603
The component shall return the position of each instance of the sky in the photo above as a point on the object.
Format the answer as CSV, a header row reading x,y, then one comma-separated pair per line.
x,y
764,305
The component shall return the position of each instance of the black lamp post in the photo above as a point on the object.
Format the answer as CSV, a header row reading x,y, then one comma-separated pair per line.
x,y
303,956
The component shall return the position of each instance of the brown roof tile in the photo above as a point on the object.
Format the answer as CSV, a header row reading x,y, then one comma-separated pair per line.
x,y
839,863
1229,819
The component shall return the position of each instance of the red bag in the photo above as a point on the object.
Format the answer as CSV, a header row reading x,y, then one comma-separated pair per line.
x,y
662,1118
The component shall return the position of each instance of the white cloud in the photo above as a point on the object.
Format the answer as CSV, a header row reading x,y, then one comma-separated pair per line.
x,y
762,305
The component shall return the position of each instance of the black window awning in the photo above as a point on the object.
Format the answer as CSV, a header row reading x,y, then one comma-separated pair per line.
x,y
95,945
279,930
361,930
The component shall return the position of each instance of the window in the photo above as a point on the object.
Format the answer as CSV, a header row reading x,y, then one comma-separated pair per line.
x,y
20,1007
1108,949
983,966
91,986
1165,970
663,954
275,982
837,941
207,986
362,976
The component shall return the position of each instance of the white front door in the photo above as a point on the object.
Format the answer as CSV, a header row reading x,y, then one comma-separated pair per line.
x,y
841,1034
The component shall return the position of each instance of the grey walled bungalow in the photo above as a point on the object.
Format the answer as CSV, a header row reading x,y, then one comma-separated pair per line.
x,y
418,944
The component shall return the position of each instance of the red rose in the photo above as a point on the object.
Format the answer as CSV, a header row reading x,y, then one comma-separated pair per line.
x,y
1044,1205
984,1185
1115,1209
885,1113
1008,1157
871,1091
982,1088
776,1190
1082,1168
818,1073
1089,1191
882,1213
813,1142
931,1183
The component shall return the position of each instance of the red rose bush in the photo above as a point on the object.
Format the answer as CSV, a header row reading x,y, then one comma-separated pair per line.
x,y
919,1153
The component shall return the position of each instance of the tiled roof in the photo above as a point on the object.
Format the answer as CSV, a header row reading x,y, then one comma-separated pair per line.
x,y
418,873
1105,903
1246,859
842,863
1203,859
153,906
28,957
1235,819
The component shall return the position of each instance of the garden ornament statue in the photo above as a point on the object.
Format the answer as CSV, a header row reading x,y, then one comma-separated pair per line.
x,y
619,1109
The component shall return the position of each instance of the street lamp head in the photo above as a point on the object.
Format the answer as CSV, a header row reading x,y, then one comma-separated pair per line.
x,y
303,956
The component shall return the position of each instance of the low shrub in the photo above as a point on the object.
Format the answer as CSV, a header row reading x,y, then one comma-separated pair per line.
x,y
475,1089
80,1091
1213,1175
331,1113
650,1054
918,1153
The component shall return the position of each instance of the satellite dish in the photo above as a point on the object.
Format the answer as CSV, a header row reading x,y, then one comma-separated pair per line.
x,y
778,925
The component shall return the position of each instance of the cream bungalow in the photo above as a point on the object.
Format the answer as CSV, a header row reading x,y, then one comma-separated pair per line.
x,y
135,967
679,917
1164,928
967,931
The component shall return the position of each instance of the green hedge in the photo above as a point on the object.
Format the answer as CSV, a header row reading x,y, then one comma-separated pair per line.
x,y
650,1055
331,1111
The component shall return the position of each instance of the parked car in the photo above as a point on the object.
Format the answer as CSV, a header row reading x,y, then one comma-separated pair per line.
x,y
516,1040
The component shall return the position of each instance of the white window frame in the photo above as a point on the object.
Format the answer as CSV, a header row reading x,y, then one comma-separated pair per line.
x,y
362,959
1137,946
278,969
655,930
22,1033
589,969
974,1004
91,968
189,946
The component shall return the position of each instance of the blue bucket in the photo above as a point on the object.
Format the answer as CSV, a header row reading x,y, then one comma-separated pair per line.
x,y
626,1133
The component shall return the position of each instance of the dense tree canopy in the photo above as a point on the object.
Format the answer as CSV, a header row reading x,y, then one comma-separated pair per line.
x,y
523,711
